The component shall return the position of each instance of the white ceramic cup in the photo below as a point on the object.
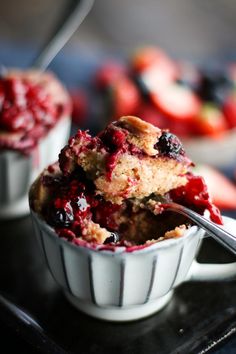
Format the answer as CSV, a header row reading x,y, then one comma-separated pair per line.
x,y
18,171
121,285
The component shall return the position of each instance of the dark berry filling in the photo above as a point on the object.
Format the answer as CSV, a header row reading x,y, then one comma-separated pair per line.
x,y
113,138
62,216
73,204
27,109
114,141
169,145
195,196
104,212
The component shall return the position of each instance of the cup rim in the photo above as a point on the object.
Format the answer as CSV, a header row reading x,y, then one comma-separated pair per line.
x,y
164,244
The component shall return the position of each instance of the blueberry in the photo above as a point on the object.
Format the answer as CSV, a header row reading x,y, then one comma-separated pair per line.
x,y
113,238
61,217
169,145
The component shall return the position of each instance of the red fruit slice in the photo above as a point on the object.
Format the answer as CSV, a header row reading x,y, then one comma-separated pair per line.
x,y
79,106
148,57
177,102
184,129
211,121
108,73
125,97
229,109
221,189
148,112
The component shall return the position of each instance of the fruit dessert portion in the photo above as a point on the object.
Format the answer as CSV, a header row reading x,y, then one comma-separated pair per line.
x,y
110,190
179,96
122,160
32,103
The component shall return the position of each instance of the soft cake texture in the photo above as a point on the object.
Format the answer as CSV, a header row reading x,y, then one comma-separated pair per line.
x,y
138,169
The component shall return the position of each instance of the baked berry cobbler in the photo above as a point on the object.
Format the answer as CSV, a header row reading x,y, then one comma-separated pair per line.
x,y
31,103
108,190
35,121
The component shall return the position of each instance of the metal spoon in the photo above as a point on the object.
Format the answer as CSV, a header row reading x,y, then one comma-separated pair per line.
x,y
72,17
219,234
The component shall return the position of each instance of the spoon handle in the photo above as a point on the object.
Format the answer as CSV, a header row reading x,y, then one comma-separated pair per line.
x,y
219,234
72,17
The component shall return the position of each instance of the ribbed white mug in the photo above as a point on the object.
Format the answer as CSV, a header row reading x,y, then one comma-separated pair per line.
x,y
120,285
17,171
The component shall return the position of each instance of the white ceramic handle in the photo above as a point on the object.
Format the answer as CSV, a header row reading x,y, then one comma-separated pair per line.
x,y
211,272
214,272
